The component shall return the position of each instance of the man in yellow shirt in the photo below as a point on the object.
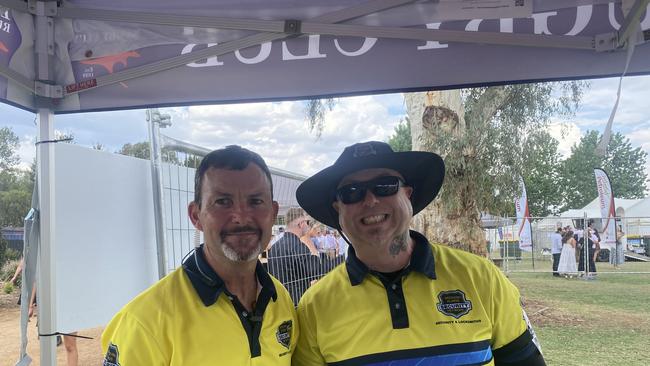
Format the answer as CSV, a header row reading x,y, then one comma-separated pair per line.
x,y
399,299
221,307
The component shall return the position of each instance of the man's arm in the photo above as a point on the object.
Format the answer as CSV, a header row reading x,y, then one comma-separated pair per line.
x,y
513,339
520,352
307,352
19,270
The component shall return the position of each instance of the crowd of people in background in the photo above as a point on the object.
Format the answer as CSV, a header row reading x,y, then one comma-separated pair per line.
x,y
575,251
303,252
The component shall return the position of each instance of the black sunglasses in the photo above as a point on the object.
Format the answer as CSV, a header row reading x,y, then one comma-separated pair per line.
x,y
380,187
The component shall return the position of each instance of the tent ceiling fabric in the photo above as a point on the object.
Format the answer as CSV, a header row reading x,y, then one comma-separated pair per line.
x,y
116,55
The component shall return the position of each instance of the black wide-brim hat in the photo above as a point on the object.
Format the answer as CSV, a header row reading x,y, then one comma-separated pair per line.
x,y
423,171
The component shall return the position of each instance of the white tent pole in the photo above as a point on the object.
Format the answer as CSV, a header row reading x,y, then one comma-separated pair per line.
x,y
46,284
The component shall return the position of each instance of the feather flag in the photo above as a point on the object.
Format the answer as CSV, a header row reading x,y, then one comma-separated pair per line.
x,y
607,209
523,219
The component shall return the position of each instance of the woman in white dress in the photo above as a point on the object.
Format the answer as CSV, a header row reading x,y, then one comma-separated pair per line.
x,y
567,266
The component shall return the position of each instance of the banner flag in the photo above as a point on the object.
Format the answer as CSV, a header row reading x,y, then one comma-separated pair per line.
x,y
523,219
607,209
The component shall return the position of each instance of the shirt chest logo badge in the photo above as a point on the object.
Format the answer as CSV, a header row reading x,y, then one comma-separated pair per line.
x,y
283,335
453,303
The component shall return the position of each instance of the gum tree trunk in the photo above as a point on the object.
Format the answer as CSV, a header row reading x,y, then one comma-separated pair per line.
x,y
456,224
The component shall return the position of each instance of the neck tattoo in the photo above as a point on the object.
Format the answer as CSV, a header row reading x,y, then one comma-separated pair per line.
x,y
398,245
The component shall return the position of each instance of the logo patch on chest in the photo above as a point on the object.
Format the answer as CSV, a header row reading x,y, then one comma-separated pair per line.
x,y
283,335
453,303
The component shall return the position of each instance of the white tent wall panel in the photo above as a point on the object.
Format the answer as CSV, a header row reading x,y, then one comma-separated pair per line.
x,y
105,243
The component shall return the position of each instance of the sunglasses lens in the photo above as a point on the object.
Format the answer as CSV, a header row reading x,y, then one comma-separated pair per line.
x,y
356,192
385,186
352,193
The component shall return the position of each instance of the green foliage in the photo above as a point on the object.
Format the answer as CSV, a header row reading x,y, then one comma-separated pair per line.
x,y
401,138
8,288
624,165
12,254
138,150
315,109
497,142
15,196
14,206
67,137
9,142
192,161
7,270
142,150
541,171
3,255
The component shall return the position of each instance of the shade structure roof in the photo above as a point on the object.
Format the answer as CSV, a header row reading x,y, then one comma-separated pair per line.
x,y
105,55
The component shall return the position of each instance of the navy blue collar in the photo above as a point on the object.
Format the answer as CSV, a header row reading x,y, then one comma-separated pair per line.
x,y
207,283
421,260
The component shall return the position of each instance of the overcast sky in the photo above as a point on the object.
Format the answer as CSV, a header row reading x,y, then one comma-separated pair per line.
x,y
279,132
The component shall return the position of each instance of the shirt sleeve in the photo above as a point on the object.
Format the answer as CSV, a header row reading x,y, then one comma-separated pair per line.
x,y
513,338
126,342
307,352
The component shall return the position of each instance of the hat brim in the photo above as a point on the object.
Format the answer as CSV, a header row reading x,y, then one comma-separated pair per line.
x,y
423,171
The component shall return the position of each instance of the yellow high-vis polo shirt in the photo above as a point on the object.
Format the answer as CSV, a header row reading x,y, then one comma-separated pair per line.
x,y
190,318
447,307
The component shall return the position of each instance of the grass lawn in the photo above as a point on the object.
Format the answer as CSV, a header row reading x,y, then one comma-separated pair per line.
x,y
583,323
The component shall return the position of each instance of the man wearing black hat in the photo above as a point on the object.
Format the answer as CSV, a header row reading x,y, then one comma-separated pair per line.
x,y
399,298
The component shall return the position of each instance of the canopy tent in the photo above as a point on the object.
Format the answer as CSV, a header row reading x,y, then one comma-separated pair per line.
x,y
130,54
85,55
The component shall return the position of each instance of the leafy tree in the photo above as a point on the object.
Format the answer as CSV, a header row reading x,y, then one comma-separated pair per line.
x,y
8,148
483,135
16,185
15,205
141,150
401,138
541,171
192,161
624,165
316,109
67,137
137,150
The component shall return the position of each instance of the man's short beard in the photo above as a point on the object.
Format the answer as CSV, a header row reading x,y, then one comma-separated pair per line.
x,y
236,256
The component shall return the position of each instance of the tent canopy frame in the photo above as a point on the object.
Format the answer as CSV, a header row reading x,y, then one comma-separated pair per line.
x,y
272,30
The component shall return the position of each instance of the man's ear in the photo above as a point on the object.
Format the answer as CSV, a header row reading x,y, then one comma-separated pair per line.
x,y
276,208
193,211
408,190
336,204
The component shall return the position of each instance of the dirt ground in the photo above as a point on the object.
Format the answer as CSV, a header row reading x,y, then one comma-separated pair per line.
x,y
89,349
